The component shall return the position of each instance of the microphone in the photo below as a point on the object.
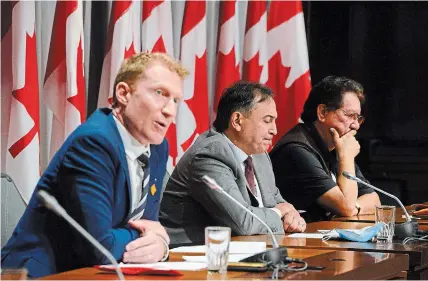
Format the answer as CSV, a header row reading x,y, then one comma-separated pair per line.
x,y
403,230
275,255
52,204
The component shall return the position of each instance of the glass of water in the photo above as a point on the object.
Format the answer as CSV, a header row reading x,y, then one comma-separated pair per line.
x,y
217,240
386,215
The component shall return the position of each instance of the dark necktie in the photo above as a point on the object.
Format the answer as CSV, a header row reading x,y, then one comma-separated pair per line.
x,y
143,160
249,175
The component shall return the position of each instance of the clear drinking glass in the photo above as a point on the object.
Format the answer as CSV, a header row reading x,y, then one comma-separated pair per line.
x,y
386,215
217,241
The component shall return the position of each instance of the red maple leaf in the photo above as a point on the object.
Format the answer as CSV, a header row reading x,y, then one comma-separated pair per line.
x,y
289,101
252,70
227,73
130,51
79,100
277,77
198,104
28,95
159,46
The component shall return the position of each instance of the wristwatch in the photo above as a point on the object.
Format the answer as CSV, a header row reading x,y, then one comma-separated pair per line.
x,y
357,205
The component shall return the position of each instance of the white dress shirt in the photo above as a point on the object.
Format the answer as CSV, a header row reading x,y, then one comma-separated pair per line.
x,y
133,149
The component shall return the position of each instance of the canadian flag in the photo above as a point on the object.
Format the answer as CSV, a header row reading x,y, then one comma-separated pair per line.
x,y
288,68
20,125
157,37
228,57
193,114
123,41
64,85
254,55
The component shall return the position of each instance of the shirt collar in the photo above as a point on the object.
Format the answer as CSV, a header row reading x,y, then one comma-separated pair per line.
x,y
240,155
133,148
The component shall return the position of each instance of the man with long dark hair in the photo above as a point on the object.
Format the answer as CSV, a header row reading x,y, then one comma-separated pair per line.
x,y
309,160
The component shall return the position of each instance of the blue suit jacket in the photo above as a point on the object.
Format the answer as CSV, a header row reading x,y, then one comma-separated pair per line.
x,y
89,177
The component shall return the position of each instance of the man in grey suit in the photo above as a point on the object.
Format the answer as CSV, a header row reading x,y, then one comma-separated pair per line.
x,y
234,155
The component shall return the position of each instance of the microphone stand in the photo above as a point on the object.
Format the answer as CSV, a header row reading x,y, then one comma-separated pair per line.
x,y
274,256
403,230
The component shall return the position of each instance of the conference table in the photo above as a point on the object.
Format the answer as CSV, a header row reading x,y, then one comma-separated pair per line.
x,y
417,251
341,259
339,265
399,217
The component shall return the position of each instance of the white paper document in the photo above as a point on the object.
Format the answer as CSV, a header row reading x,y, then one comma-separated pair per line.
x,y
166,265
236,247
307,235
232,258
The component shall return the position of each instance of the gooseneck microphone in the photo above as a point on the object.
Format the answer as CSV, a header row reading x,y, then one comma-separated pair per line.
x,y
354,178
403,230
52,204
273,256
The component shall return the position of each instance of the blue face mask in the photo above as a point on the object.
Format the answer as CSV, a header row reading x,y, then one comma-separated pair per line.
x,y
358,235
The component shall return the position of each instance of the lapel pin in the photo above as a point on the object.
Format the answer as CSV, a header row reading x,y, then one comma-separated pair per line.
x,y
153,189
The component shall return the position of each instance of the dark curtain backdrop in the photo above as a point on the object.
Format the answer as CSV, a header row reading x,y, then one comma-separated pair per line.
x,y
384,46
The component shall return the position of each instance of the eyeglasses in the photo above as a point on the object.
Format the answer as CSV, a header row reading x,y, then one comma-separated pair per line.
x,y
353,116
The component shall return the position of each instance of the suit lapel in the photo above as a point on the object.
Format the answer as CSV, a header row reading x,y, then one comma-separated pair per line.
x,y
122,157
244,188
245,191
